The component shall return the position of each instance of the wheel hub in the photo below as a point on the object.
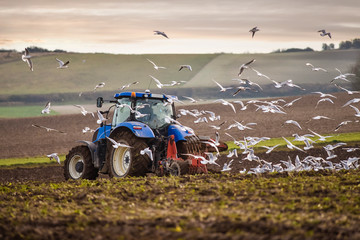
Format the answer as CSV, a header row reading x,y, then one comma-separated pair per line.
x,y
79,167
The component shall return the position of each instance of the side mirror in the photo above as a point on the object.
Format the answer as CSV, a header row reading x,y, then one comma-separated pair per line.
x,y
99,102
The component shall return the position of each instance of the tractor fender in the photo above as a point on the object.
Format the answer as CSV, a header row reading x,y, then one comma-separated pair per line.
x,y
102,132
92,148
139,129
179,132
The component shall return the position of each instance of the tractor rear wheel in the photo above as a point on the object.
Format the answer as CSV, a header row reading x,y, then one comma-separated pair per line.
x,y
124,162
78,164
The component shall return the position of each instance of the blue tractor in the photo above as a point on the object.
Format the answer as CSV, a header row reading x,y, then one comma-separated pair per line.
x,y
152,141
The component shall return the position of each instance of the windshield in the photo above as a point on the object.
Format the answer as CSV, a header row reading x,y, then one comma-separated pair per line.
x,y
122,112
153,112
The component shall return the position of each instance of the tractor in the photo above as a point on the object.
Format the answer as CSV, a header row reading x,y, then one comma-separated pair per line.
x,y
151,141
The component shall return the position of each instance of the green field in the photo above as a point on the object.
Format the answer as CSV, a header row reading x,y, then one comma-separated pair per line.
x,y
22,111
29,161
87,70
306,205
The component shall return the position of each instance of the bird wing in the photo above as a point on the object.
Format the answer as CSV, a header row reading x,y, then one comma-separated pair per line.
x,y
113,141
61,63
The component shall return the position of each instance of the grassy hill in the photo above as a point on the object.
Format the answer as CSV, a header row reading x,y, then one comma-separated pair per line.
x,y
87,70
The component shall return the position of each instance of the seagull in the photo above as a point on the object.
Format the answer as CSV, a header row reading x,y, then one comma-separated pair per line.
x,y
323,95
239,89
260,74
342,124
185,66
293,122
160,33
128,85
54,156
47,128
158,83
323,100
316,69
191,99
323,33
62,65
116,144
100,85
319,117
226,166
148,152
222,89
254,30
211,160
270,149
87,129
232,153
245,66
224,102
46,109
348,91
101,118
292,146
248,82
27,58
84,111
329,149
292,102
354,100
351,149
321,138
342,76
357,114
291,84
156,66
218,127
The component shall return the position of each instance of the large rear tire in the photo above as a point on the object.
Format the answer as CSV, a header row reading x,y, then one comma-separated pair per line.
x,y
124,162
78,164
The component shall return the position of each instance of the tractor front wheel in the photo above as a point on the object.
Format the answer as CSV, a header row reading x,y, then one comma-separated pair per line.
x,y
78,164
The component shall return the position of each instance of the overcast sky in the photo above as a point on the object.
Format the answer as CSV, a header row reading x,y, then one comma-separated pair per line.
x,y
193,26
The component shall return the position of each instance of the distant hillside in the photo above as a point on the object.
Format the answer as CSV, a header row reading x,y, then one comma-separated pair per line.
x,y
87,70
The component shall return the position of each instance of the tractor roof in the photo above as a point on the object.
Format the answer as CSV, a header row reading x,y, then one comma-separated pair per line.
x,y
145,94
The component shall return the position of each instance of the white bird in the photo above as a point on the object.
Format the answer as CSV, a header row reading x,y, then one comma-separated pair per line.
x,y
54,156
323,95
351,149
46,109
270,149
101,118
158,83
342,124
354,100
342,76
192,100
346,90
47,128
330,149
232,153
148,152
251,83
319,117
292,146
260,74
226,166
128,85
253,31
323,33
156,66
212,159
357,114
26,57
84,111
185,67
239,89
292,102
224,102
293,122
116,144
291,84
100,85
62,65
324,100
160,33
245,66
321,138
222,89
87,129
316,69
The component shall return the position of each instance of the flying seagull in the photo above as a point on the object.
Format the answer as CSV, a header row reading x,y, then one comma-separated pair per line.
x,y
346,90
47,128
148,152
100,85
316,69
27,58
156,66
101,118
54,156
62,65
222,89
83,110
354,100
128,85
116,144
323,33
160,33
224,102
245,66
46,109
254,30
185,66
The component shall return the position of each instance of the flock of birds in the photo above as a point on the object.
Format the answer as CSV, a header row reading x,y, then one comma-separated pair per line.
x,y
247,143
